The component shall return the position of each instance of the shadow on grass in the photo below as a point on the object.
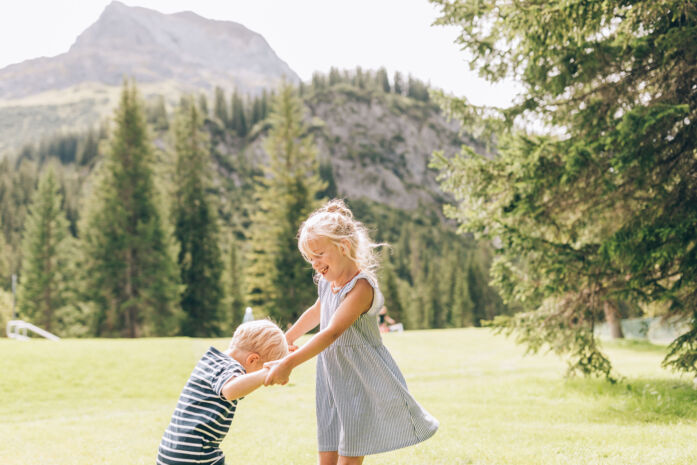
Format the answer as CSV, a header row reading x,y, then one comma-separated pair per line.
x,y
635,345
641,400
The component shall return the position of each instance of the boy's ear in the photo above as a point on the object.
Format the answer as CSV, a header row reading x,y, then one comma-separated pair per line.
x,y
253,359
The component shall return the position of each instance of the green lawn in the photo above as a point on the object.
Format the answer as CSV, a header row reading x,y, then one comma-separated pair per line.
x,y
108,401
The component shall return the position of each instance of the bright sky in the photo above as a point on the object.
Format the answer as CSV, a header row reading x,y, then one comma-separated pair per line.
x,y
309,35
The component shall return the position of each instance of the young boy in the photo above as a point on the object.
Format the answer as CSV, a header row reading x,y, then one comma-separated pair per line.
x,y
209,399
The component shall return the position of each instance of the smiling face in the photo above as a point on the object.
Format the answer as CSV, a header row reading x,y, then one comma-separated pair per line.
x,y
330,261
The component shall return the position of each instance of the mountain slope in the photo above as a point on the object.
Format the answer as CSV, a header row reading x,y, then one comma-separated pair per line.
x,y
371,145
151,47
165,54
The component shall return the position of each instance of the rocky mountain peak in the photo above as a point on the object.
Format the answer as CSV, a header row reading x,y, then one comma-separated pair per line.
x,y
152,47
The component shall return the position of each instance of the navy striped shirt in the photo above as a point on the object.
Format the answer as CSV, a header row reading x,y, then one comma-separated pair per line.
x,y
202,417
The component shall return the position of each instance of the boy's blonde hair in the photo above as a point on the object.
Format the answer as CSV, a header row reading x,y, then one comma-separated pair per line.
x,y
262,337
335,222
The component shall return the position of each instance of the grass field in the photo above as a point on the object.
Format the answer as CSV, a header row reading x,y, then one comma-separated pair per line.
x,y
108,401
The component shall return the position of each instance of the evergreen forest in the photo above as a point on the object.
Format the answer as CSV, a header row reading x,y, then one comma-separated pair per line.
x,y
162,220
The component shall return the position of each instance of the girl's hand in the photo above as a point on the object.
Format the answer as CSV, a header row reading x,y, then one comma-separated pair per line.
x,y
279,373
291,345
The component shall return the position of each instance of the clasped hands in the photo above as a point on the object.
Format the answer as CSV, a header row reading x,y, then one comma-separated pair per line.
x,y
279,372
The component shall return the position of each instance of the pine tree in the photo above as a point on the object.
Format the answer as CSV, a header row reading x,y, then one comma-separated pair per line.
x,y
359,78
319,82
233,283
256,112
388,285
42,287
5,262
605,204
196,227
279,280
447,270
475,289
132,277
265,103
436,317
334,76
7,207
326,173
383,80
203,105
157,114
238,118
220,107
463,308
88,149
417,90
16,190
403,251
398,84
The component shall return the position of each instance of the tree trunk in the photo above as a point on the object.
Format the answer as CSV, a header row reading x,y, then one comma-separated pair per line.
x,y
130,313
612,316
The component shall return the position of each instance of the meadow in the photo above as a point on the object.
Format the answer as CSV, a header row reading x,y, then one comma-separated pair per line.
x,y
107,401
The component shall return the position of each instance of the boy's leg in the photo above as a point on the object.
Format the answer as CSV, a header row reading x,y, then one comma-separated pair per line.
x,y
328,458
350,460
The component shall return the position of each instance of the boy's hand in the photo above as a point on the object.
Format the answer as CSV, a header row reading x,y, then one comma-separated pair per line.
x,y
279,373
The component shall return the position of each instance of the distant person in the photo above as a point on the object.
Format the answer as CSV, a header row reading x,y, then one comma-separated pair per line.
x,y
384,320
208,401
363,404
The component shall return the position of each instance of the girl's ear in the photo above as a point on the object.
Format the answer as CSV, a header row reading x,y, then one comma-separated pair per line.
x,y
344,246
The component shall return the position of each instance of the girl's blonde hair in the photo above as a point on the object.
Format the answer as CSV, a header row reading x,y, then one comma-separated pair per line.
x,y
335,222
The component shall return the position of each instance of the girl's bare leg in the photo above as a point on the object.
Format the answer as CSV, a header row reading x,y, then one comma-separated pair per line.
x,y
333,458
328,458
350,460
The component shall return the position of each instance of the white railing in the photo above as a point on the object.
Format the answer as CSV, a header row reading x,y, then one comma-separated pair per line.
x,y
17,329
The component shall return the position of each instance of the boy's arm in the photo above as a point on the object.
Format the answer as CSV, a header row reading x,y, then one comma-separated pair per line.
x,y
240,386
308,320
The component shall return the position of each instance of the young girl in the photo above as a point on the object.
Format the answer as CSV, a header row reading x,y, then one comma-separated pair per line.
x,y
363,405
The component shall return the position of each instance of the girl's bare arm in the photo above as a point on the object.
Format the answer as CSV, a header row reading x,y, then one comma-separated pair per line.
x,y
357,302
307,321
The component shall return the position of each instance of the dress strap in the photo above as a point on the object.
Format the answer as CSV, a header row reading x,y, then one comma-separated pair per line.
x,y
378,299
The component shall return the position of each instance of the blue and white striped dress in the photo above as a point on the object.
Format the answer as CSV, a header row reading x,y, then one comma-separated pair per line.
x,y
363,405
203,415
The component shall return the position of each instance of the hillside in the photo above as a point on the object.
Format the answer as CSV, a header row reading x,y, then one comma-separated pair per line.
x,y
374,137
175,53
374,148
376,145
